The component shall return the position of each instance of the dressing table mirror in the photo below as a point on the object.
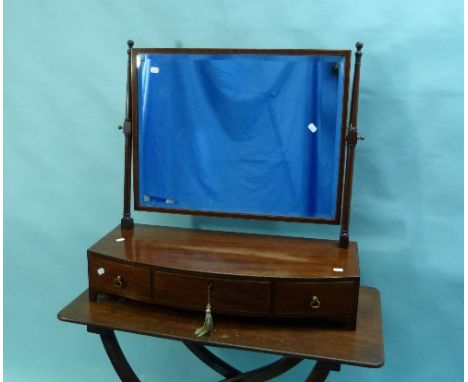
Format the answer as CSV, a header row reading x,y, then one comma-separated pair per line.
x,y
242,133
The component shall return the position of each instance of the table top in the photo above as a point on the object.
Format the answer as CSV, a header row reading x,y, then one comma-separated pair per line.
x,y
363,347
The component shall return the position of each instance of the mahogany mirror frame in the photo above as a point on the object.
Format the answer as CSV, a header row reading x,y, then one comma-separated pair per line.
x,y
346,54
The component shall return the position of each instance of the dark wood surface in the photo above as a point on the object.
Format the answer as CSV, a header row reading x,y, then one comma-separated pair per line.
x,y
229,254
363,347
127,220
351,141
250,275
294,297
136,282
293,52
227,295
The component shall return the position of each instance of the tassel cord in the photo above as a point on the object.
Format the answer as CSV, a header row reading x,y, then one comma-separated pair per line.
x,y
209,323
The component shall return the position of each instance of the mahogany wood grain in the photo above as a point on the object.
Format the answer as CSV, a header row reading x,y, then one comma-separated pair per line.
x,y
251,275
180,291
127,220
238,296
296,297
351,141
229,254
241,296
293,52
135,282
363,347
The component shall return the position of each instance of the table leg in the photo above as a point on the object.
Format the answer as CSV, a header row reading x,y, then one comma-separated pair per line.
x,y
267,372
115,354
261,374
212,360
321,370
231,374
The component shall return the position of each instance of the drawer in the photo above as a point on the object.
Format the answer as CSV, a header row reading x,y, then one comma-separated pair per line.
x,y
172,289
311,298
241,296
119,279
229,296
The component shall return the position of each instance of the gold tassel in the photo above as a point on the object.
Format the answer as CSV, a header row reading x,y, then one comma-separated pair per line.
x,y
208,324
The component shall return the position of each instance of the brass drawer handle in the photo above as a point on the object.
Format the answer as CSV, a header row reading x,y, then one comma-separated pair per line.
x,y
118,282
315,303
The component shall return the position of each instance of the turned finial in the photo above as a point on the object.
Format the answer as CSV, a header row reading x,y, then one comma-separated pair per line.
x,y
358,53
130,46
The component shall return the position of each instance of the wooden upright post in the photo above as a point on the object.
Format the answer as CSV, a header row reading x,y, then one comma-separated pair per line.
x,y
127,220
351,140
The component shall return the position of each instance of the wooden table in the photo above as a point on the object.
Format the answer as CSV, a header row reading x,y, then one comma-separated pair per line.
x,y
328,346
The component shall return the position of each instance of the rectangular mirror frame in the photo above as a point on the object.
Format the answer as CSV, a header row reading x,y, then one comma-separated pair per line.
x,y
133,103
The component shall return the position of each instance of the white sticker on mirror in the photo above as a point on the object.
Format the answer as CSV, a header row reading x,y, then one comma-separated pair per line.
x,y
120,239
154,69
338,270
312,127
146,198
101,271
170,201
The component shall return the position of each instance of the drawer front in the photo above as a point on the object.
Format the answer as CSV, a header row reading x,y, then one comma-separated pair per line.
x,y
180,291
241,296
315,298
230,296
120,279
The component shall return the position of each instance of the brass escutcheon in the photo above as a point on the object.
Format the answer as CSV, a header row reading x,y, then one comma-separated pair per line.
x,y
118,282
315,303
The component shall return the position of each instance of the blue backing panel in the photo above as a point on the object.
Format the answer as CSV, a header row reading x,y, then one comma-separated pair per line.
x,y
233,133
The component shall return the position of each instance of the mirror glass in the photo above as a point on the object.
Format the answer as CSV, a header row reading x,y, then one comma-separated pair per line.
x,y
240,133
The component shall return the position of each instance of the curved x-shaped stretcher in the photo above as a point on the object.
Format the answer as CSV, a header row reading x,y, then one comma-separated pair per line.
x,y
230,373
